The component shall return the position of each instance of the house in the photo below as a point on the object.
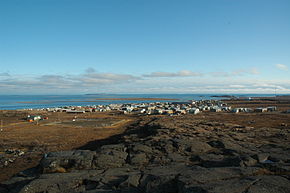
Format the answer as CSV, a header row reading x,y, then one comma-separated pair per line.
x,y
248,110
160,111
271,109
181,112
152,112
215,109
143,111
32,118
75,111
169,112
89,110
260,110
194,111
126,112
226,108
236,110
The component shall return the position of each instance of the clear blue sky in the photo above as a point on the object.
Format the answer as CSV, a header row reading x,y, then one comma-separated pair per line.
x,y
144,46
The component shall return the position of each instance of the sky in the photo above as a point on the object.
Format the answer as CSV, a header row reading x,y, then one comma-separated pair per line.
x,y
144,46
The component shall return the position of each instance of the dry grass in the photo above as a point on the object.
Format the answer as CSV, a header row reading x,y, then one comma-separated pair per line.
x,y
45,137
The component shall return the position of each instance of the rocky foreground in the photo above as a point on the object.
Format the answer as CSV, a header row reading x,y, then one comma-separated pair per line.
x,y
168,155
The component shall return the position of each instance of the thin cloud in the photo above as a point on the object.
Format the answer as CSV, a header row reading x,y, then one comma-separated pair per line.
x,y
239,72
109,78
220,74
237,86
283,67
92,77
182,73
92,81
89,79
242,72
4,74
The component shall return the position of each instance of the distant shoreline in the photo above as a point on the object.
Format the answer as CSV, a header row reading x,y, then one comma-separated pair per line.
x,y
100,99
47,101
273,98
135,99
223,96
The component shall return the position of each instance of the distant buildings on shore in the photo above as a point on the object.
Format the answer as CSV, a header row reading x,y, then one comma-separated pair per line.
x,y
162,108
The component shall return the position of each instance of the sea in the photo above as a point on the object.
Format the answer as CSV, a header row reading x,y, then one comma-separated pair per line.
x,y
15,102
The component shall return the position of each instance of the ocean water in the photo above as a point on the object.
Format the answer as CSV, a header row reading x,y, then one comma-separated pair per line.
x,y
12,102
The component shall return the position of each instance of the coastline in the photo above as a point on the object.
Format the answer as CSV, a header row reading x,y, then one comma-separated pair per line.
x,y
13,102
100,100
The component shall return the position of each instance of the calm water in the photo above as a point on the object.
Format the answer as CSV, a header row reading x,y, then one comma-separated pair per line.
x,y
42,101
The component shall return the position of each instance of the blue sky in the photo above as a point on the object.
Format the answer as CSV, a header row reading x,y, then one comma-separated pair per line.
x,y
144,46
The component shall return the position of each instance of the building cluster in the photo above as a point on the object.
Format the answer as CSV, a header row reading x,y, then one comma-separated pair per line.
x,y
32,118
257,110
162,108
175,108
154,108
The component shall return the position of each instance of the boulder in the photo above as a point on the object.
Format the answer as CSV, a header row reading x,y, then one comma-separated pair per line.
x,y
110,159
192,145
142,148
67,160
139,159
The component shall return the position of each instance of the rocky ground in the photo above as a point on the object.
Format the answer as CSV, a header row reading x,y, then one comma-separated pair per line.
x,y
168,155
22,144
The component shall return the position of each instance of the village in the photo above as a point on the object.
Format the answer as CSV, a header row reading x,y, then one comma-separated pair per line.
x,y
157,108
